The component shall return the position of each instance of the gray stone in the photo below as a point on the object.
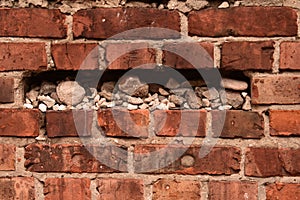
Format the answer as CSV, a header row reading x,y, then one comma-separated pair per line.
x,y
177,100
193,101
211,93
234,99
32,95
135,100
234,84
47,88
187,161
179,91
141,91
197,4
130,84
70,92
172,84
247,104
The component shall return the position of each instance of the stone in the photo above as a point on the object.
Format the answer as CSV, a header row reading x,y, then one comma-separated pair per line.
x,y
179,91
32,95
197,4
129,84
172,84
247,104
108,86
234,84
47,100
205,102
47,88
187,161
177,100
244,94
193,101
143,106
135,100
141,91
70,92
93,93
54,96
28,105
42,107
106,94
162,106
163,91
211,93
132,107
225,4
234,99
153,87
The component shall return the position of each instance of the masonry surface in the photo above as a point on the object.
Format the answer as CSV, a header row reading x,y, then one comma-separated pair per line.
x,y
55,153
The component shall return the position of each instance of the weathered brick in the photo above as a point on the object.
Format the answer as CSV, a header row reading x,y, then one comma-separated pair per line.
x,y
7,90
22,56
244,21
75,158
102,23
158,159
188,55
235,123
20,123
124,123
233,190
283,191
285,122
179,123
17,188
247,55
265,162
130,55
289,55
275,89
165,189
67,188
75,56
119,189
45,23
7,157
69,123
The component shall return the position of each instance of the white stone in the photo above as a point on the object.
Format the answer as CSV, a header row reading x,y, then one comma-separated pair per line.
x,y
247,104
234,84
42,107
144,106
70,92
62,107
244,94
28,105
55,107
132,107
47,100
225,4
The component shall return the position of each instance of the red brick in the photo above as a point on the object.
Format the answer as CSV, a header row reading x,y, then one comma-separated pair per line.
x,y
247,55
165,189
244,21
22,56
233,190
119,189
285,122
17,188
124,123
283,191
275,89
75,158
69,123
44,23
289,55
265,162
75,56
220,160
235,123
130,55
7,157
102,23
20,123
7,90
188,55
67,188
179,123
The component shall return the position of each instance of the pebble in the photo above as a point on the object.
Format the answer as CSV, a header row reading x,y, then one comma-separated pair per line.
x,y
179,91
247,104
144,106
172,84
106,94
163,92
42,107
211,93
234,99
193,101
135,100
108,86
129,84
32,95
141,91
47,88
205,102
176,99
47,100
28,105
234,84
197,4
70,92
225,4
132,107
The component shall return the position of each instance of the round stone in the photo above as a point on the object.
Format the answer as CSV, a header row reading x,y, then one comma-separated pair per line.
x,y
70,92
187,161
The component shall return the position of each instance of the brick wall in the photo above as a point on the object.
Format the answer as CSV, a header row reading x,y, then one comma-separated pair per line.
x,y
257,155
